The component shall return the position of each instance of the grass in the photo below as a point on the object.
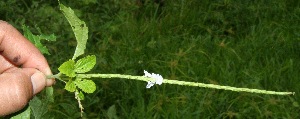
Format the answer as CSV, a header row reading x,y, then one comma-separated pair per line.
x,y
252,44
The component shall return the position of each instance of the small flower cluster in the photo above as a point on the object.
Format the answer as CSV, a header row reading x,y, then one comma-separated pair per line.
x,y
158,79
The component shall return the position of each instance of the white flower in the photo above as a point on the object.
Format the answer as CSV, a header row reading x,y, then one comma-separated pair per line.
x,y
150,84
158,79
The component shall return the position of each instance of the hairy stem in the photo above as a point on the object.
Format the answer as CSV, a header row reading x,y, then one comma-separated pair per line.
x,y
213,86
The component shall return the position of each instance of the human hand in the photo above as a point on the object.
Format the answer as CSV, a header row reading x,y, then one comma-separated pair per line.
x,y
23,70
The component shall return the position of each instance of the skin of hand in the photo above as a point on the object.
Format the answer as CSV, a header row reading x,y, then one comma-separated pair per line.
x,y
23,70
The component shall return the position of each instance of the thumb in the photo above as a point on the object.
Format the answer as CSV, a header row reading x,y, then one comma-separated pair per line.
x,y
17,86
39,81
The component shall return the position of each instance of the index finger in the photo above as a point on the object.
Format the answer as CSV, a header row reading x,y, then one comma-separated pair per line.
x,y
19,51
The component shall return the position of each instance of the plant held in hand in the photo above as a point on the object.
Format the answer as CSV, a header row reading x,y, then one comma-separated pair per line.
x,y
72,72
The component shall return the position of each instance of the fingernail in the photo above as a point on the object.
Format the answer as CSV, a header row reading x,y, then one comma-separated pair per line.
x,y
38,80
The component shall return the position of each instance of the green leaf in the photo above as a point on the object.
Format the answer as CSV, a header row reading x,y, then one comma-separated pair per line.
x,y
85,64
87,86
51,37
112,112
49,94
36,39
79,28
81,95
70,86
23,115
38,107
67,68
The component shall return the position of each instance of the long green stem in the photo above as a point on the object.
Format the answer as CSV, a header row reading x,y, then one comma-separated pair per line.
x,y
213,86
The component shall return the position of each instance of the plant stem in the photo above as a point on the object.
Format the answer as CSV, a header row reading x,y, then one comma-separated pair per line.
x,y
56,76
53,76
213,86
